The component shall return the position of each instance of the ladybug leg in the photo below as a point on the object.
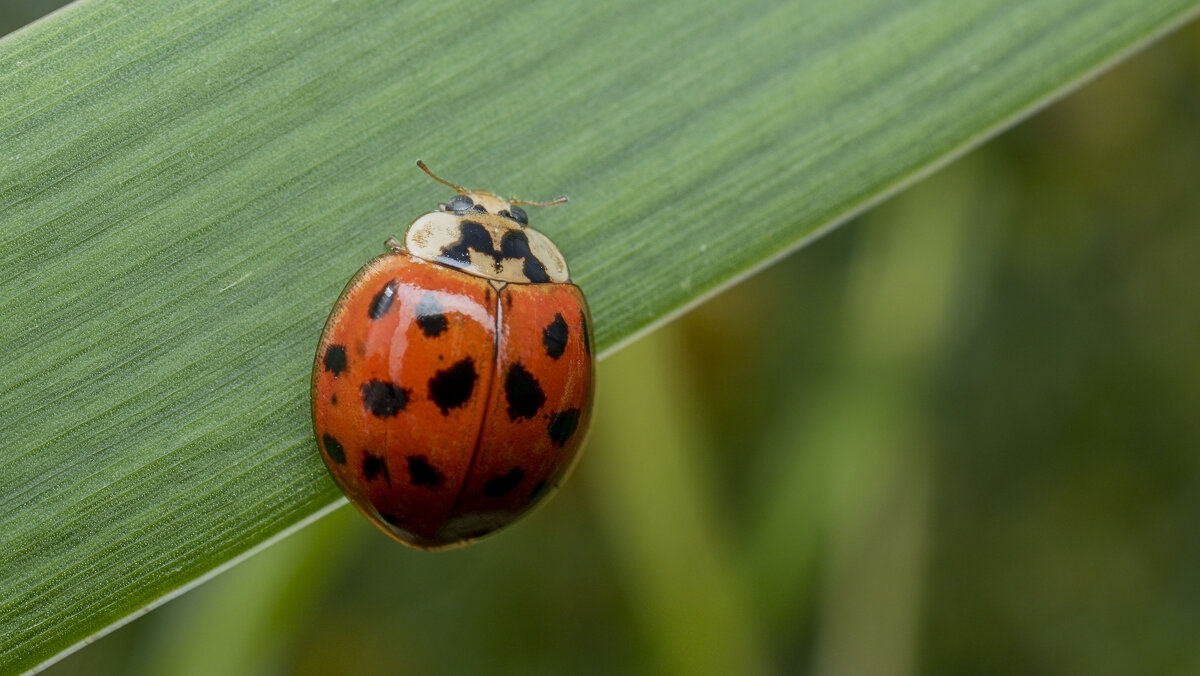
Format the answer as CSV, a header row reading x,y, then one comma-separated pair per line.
x,y
394,245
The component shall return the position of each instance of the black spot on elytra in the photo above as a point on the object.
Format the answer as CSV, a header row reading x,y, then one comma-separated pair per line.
x,y
334,449
421,473
384,399
335,359
374,465
473,237
504,484
554,337
452,387
524,394
430,317
562,425
515,244
333,399
382,302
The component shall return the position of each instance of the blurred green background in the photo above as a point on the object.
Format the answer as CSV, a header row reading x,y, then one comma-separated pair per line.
x,y
957,435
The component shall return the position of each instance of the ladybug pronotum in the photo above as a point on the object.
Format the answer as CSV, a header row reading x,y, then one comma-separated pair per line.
x,y
452,385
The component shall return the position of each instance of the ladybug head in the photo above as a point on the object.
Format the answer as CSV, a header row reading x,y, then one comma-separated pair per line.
x,y
485,202
483,234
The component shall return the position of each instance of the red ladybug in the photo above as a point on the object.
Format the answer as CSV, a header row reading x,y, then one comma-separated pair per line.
x,y
452,385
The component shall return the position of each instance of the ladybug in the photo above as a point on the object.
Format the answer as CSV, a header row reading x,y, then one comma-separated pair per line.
x,y
452,386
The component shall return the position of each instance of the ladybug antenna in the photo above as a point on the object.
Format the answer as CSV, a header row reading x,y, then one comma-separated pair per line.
x,y
557,200
438,179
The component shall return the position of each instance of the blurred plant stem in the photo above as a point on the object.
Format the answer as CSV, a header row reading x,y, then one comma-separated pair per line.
x,y
878,429
660,512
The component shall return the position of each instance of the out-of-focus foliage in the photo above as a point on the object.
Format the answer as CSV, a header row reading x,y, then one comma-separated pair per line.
x,y
17,13
958,436
185,186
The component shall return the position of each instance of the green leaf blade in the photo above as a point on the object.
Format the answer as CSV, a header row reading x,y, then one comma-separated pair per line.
x,y
184,190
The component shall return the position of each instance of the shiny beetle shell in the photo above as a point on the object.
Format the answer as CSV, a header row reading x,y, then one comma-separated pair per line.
x,y
452,386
